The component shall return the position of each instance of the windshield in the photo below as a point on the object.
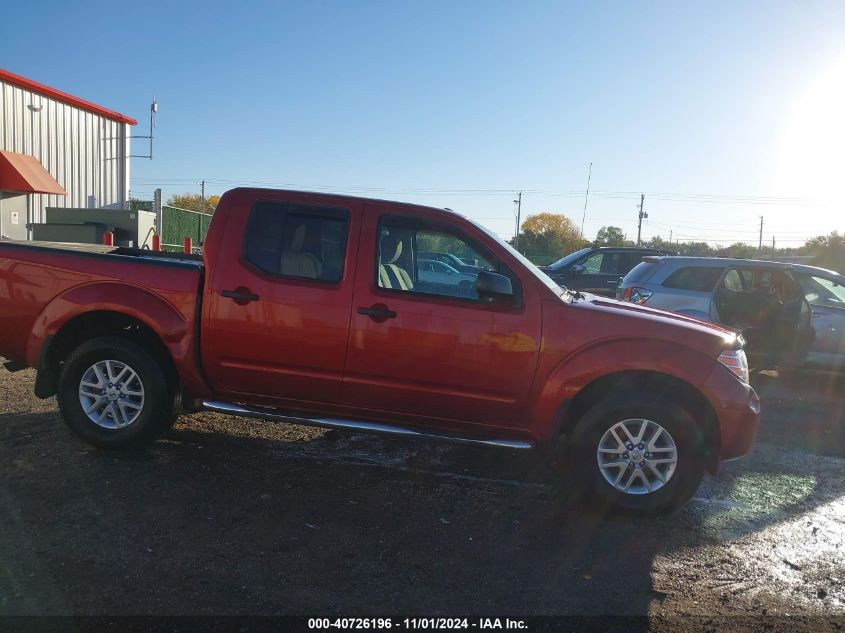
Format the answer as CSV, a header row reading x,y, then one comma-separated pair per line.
x,y
569,259
823,291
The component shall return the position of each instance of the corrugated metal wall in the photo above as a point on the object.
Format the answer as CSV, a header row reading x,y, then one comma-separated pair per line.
x,y
86,153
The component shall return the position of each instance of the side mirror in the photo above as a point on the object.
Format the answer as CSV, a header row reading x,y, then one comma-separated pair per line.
x,y
577,269
494,287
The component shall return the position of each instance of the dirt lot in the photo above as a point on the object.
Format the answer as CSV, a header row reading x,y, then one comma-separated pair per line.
x,y
232,516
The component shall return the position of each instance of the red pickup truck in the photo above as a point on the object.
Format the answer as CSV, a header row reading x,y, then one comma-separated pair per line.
x,y
328,310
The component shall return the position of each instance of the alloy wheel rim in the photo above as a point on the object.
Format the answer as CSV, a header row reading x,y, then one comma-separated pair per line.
x,y
111,394
637,456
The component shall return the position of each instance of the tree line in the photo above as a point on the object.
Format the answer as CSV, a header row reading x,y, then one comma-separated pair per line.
x,y
546,237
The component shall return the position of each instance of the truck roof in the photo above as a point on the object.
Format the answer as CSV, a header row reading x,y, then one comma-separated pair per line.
x,y
341,196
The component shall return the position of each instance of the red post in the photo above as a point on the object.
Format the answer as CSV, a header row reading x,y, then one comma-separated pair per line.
x,y
108,238
156,242
189,245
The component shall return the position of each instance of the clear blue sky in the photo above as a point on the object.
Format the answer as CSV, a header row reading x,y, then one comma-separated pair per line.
x,y
393,99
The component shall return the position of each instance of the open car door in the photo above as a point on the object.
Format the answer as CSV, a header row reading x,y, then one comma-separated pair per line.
x,y
825,344
768,306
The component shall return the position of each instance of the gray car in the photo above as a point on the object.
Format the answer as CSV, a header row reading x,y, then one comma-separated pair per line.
x,y
787,312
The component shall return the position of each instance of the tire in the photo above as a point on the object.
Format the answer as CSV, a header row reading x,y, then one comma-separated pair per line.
x,y
646,494
127,420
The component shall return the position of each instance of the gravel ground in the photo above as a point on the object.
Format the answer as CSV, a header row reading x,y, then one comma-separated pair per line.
x,y
234,516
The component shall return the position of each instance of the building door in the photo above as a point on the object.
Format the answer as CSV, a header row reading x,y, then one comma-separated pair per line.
x,y
13,216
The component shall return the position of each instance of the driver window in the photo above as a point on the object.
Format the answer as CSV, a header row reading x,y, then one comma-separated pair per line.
x,y
427,261
593,264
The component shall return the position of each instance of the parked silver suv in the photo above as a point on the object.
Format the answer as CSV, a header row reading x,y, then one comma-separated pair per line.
x,y
787,312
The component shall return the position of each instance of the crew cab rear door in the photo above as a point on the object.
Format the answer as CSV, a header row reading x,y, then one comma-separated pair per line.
x,y
431,349
277,308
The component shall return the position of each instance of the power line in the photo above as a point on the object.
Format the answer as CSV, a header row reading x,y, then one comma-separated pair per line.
x,y
663,196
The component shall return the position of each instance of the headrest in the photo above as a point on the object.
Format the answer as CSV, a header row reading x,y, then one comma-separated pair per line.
x,y
298,238
391,249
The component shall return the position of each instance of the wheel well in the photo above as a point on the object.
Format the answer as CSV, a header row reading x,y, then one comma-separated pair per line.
x,y
654,382
91,325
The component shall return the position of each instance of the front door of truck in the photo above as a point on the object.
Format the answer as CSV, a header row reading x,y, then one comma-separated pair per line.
x,y
276,317
431,348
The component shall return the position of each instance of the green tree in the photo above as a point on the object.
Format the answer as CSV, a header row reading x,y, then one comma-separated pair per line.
x,y
611,236
661,244
191,201
546,237
740,250
827,251
694,249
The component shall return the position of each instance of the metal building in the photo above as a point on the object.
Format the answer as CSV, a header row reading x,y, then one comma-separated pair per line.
x,y
83,147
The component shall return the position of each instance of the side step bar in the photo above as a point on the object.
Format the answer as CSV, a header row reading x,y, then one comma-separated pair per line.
x,y
305,419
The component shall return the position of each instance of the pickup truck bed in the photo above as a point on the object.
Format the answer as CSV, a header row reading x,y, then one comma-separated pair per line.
x,y
45,286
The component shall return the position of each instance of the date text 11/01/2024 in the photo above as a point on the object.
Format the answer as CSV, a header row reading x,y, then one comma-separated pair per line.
x,y
417,623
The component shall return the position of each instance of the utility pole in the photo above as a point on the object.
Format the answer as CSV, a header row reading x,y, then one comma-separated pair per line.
x,y
518,203
586,197
202,197
642,214
760,245
773,248
157,209
670,238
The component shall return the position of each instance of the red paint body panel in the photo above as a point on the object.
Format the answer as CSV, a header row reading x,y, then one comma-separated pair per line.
x,y
457,360
42,289
291,344
442,364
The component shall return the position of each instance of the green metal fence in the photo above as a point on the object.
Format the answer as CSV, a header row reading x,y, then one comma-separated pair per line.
x,y
177,224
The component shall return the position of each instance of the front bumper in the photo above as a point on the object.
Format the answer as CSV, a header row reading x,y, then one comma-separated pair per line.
x,y
737,408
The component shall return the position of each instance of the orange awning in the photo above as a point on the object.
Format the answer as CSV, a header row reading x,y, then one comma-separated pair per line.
x,y
24,174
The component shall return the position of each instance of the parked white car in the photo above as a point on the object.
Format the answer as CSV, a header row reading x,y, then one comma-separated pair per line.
x,y
435,272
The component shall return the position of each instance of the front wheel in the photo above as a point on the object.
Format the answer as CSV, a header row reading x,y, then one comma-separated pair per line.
x,y
113,394
638,453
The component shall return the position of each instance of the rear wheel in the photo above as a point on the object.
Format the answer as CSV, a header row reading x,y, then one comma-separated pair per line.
x,y
113,394
638,453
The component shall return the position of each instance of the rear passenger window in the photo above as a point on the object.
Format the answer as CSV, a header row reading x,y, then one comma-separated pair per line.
x,y
699,278
298,241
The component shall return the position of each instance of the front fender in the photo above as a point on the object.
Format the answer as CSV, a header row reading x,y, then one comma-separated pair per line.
x,y
148,308
568,377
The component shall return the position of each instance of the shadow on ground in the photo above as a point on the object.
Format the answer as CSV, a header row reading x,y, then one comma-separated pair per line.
x,y
228,516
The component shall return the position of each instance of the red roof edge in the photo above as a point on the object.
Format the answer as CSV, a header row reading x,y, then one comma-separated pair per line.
x,y
64,97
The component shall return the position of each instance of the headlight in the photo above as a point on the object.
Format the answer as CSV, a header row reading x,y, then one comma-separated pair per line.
x,y
735,360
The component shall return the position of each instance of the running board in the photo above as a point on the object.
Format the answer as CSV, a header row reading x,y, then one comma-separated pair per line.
x,y
305,419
